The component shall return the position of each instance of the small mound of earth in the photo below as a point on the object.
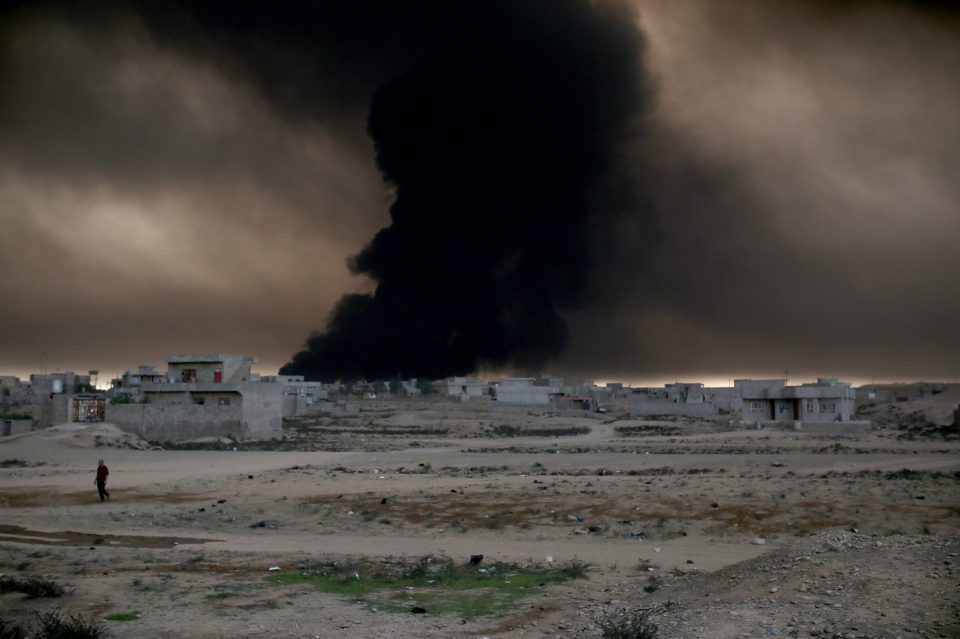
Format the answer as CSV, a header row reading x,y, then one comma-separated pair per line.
x,y
95,436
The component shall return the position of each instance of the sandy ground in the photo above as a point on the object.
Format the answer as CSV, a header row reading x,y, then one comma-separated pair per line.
x,y
717,531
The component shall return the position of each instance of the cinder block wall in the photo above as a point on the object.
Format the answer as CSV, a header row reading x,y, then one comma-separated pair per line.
x,y
666,407
177,422
262,410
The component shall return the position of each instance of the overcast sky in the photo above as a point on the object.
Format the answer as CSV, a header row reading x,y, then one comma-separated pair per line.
x,y
787,198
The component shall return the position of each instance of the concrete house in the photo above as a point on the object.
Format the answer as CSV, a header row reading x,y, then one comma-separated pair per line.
x,y
529,390
411,387
462,387
681,398
9,385
56,383
130,382
64,397
60,408
572,401
16,408
204,396
215,369
300,397
771,400
725,398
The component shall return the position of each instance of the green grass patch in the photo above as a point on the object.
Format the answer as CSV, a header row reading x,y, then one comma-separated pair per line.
x,y
123,616
439,586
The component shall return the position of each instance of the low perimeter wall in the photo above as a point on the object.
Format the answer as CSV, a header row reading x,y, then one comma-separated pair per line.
x,y
837,429
10,427
665,407
176,422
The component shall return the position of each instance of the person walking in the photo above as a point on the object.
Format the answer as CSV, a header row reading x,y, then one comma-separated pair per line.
x,y
101,481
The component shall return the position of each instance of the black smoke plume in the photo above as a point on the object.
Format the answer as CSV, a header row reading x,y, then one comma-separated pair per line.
x,y
492,120
491,144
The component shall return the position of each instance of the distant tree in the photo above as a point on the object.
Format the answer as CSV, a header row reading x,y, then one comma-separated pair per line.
x,y
379,387
425,386
397,387
348,388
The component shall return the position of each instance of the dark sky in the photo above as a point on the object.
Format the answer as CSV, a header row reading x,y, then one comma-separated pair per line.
x,y
777,189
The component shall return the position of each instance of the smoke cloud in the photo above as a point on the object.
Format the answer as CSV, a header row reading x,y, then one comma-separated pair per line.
x,y
800,209
491,144
490,122
744,188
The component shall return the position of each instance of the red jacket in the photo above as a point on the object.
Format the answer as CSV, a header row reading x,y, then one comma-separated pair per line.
x,y
102,473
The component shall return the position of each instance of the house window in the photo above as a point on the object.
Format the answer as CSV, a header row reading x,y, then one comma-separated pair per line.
x,y
782,408
188,375
828,407
199,401
223,401
809,406
758,407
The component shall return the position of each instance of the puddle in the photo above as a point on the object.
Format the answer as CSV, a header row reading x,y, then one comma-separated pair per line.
x,y
51,496
19,534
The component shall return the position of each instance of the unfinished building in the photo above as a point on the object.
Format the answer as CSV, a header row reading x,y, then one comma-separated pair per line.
x,y
203,396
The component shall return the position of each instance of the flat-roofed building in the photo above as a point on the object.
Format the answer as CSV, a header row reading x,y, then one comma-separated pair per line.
x,y
216,368
527,390
463,387
771,400
211,395
301,397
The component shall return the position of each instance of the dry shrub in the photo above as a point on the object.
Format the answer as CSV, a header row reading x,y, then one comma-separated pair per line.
x,y
625,623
